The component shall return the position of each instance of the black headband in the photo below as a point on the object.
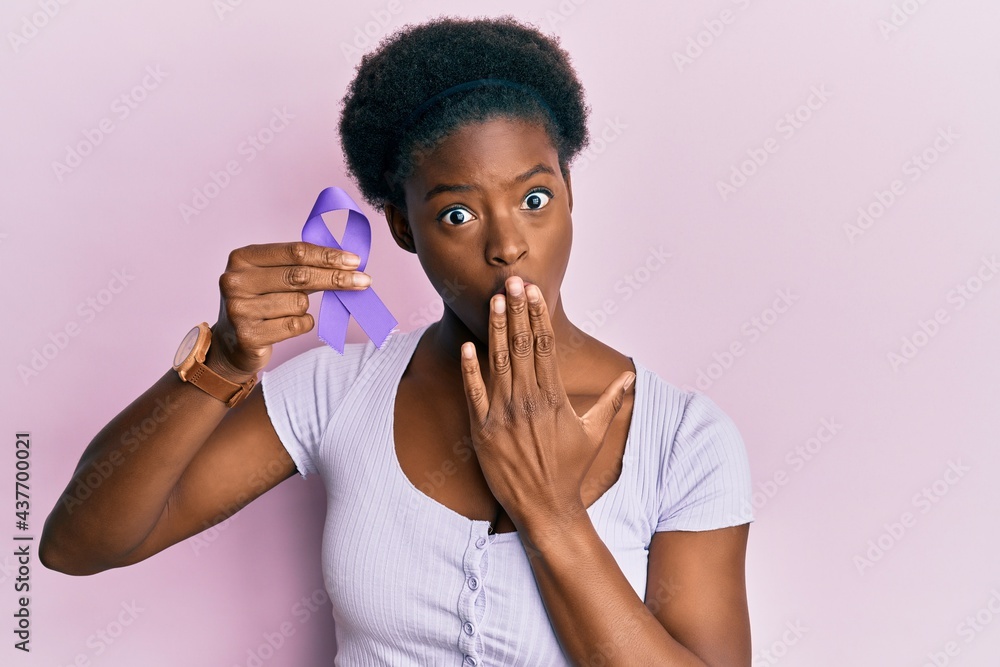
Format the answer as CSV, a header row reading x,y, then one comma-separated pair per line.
x,y
417,113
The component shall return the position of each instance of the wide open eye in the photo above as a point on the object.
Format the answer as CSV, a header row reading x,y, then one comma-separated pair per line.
x,y
536,199
456,216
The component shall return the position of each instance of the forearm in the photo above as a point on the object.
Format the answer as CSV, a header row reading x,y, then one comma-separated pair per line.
x,y
594,610
125,476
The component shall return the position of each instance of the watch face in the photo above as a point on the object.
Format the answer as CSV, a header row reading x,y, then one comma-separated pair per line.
x,y
186,346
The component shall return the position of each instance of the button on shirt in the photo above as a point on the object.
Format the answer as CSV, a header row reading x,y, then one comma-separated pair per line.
x,y
411,581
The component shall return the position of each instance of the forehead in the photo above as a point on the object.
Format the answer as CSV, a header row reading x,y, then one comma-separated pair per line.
x,y
489,152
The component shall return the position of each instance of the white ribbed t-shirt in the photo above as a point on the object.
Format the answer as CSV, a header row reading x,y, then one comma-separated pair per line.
x,y
413,582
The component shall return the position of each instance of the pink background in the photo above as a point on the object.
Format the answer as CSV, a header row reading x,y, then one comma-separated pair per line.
x,y
666,133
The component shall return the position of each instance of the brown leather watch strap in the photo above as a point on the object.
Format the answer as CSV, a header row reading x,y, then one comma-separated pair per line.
x,y
191,367
226,391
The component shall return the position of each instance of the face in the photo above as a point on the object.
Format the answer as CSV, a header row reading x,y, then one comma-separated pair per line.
x,y
487,203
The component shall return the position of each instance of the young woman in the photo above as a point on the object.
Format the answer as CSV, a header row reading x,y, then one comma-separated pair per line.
x,y
503,489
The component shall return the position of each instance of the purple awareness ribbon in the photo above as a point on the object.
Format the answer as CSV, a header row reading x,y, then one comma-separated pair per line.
x,y
337,306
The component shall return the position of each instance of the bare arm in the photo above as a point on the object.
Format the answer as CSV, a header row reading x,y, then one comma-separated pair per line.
x,y
695,609
176,461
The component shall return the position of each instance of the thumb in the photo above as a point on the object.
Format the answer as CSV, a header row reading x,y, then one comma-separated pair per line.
x,y
598,418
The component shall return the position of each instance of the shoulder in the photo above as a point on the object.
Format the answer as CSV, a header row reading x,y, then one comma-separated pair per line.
x,y
702,468
303,394
686,420
663,403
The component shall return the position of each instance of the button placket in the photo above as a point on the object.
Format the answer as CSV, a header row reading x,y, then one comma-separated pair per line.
x,y
471,599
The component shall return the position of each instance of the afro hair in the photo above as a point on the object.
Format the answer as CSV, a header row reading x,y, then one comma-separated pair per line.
x,y
382,140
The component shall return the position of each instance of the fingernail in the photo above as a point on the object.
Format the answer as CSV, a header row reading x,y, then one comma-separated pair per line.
x,y
361,279
629,381
516,287
498,304
533,293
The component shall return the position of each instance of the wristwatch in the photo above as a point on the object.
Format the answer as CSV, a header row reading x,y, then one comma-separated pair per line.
x,y
189,364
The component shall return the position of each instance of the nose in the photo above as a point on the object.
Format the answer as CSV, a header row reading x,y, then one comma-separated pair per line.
x,y
506,243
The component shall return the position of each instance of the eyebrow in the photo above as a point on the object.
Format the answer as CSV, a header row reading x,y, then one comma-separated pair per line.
x,y
463,187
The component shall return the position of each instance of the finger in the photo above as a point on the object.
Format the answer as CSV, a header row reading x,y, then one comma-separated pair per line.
x,y
260,334
475,390
294,253
598,418
522,344
276,279
499,353
267,306
546,362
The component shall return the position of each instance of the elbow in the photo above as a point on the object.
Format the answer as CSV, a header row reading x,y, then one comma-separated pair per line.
x,y
58,561
49,557
56,554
